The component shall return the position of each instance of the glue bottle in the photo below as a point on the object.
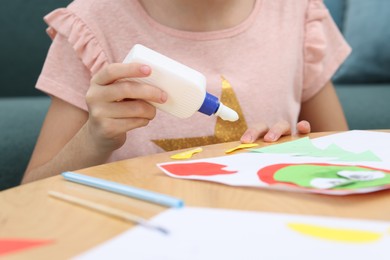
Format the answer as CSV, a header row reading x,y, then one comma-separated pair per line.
x,y
185,87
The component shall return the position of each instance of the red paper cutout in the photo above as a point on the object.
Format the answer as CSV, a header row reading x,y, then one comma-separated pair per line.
x,y
200,169
14,245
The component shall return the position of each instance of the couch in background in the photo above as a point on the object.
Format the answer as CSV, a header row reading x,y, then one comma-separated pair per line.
x,y
363,81
363,84
23,49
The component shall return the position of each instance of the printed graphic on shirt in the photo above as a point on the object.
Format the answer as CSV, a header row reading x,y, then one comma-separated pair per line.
x,y
225,131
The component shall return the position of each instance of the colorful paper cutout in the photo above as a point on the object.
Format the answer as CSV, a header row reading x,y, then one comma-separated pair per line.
x,y
13,245
265,170
240,147
303,174
336,234
304,147
292,168
186,154
201,169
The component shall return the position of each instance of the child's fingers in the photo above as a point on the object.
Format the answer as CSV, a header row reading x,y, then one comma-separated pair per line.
x,y
303,127
273,134
277,130
125,109
117,71
253,133
129,90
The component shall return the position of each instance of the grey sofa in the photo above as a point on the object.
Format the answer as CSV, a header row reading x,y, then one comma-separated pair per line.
x,y
22,108
363,81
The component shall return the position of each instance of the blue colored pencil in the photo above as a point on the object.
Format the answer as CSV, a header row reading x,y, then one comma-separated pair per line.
x,y
126,190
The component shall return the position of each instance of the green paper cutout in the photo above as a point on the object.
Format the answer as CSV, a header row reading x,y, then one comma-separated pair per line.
x,y
330,151
304,147
302,175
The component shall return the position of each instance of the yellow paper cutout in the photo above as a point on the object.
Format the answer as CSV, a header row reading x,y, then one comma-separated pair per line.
x,y
241,146
186,154
336,234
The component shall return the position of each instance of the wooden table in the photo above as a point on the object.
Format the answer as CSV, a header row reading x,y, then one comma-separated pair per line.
x,y
28,212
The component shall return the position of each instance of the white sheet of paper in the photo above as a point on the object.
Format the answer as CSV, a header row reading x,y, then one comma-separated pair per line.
x,y
201,234
247,165
359,141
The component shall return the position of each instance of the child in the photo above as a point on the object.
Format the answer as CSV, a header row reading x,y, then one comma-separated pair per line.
x,y
270,60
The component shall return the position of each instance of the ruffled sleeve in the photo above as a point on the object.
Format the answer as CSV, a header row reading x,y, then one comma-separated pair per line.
x,y
324,48
81,38
74,56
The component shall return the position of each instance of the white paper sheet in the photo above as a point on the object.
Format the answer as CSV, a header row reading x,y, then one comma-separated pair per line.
x,y
246,169
201,234
359,141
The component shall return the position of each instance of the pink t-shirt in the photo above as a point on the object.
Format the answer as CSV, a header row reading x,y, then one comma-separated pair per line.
x,y
280,56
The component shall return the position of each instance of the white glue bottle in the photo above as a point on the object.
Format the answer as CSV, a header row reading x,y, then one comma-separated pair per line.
x,y
185,87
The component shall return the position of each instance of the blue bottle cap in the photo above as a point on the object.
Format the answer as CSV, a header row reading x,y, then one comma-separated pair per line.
x,y
210,105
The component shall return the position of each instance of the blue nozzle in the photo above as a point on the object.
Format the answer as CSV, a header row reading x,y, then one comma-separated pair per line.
x,y
210,105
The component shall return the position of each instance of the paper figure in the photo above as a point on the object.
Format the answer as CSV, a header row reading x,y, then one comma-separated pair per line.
x,y
240,147
304,147
186,154
336,234
8,246
318,166
258,170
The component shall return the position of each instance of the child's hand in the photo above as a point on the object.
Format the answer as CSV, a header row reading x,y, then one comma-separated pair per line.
x,y
273,133
117,106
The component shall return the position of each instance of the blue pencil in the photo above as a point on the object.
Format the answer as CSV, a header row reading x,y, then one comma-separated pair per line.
x,y
126,190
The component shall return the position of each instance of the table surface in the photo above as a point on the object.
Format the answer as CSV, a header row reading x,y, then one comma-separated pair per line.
x,y
28,212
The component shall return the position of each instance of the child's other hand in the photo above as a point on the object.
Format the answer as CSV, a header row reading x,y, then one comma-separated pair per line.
x,y
117,106
272,134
